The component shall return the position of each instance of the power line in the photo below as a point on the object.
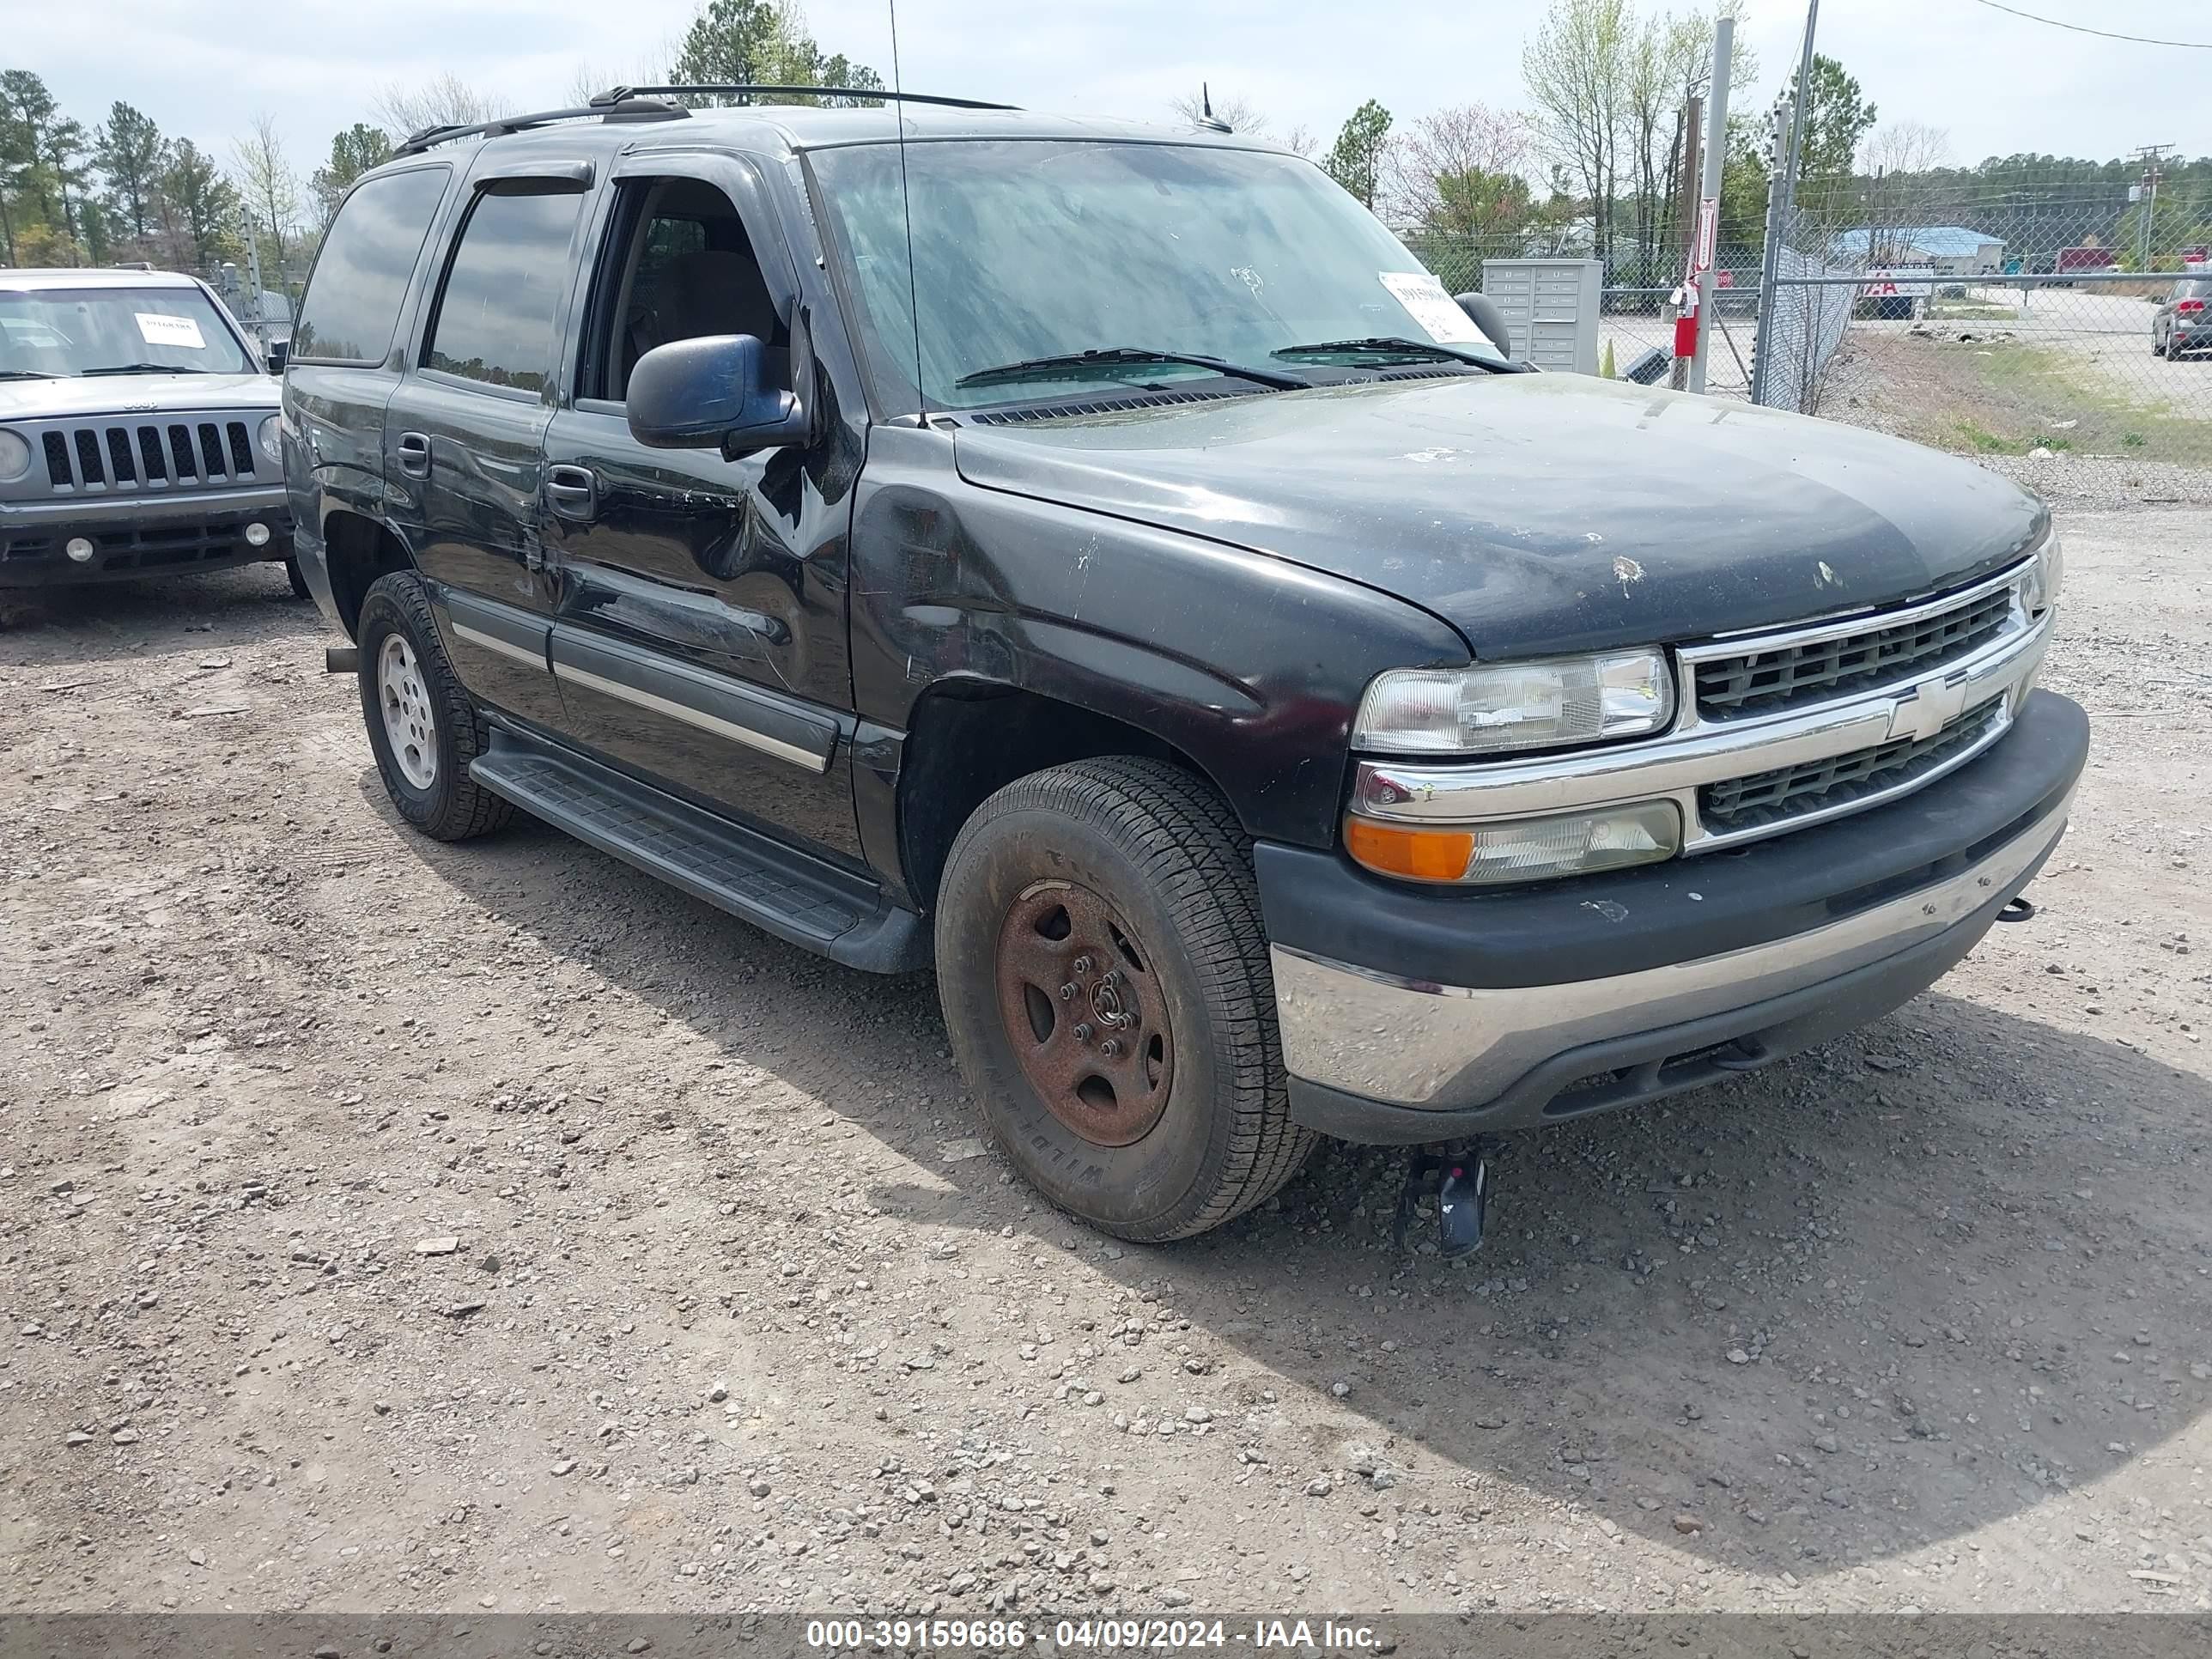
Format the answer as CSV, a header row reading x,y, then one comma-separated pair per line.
x,y
2083,28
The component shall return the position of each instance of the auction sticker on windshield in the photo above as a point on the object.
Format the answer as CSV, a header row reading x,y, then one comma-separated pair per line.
x,y
1436,311
157,329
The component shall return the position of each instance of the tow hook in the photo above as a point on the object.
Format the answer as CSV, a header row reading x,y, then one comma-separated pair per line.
x,y
341,659
1461,1178
2019,909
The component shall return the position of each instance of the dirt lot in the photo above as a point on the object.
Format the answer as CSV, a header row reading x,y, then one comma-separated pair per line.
x,y
390,1225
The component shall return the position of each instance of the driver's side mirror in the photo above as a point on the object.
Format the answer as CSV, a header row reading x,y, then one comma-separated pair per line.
x,y
711,393
279,353
1482,310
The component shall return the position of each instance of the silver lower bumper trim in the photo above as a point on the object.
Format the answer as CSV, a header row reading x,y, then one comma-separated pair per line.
x,y
1415,1045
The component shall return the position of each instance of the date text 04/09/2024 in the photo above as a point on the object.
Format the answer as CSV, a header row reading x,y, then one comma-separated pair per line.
x,y
1099,1635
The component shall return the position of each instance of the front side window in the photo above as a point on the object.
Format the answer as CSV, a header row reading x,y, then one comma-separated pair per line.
x,y
503,289
69,332
361,276
679,264
1024,250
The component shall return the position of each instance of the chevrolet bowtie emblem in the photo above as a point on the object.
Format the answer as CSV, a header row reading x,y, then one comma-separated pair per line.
x,y
1927,707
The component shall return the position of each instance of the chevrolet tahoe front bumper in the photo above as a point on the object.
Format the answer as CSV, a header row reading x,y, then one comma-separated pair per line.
x,y
1411,1015
139,536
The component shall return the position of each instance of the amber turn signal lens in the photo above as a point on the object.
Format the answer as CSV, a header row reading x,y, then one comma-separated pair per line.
x,y
1389,849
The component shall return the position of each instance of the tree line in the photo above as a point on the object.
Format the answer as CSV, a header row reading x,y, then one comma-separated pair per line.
x,y
1590,162
120,190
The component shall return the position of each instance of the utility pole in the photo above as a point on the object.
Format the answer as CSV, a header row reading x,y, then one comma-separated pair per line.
x,y
1716,159
2151,156
1687,217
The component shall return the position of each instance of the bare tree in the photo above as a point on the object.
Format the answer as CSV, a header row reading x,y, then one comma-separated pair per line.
x,y
587,81
267,186
1453,170
444,100
1301,140
1238,115
1897,159
1576,68
1905,147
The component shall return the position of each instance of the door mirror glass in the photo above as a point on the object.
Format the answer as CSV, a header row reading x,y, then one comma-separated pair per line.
x,y
710,392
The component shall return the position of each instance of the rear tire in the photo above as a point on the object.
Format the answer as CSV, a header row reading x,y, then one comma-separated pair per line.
x,y
292,573
422,725
1162,952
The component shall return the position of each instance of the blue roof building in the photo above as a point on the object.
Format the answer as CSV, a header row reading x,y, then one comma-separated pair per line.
x,y
1954,250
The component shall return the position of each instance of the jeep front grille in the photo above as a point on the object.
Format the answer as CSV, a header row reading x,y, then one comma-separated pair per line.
x,y
1759,682
122,457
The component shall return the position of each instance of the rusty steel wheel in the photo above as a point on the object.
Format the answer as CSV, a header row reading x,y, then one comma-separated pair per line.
x,y
1086,1017
1104,967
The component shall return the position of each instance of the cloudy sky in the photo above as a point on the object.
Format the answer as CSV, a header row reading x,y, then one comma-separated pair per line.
x,y
1998,84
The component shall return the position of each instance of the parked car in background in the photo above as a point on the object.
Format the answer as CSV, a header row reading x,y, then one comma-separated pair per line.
x,y
138,431
2184,323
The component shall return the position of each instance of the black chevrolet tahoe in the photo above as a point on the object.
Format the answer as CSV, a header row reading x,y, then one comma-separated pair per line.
x,y
1101,564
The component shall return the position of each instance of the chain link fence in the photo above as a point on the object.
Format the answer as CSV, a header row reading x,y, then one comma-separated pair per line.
x,y
2032,315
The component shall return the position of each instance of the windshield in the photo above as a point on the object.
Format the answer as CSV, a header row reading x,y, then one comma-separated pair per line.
x,y
90,330
1024,250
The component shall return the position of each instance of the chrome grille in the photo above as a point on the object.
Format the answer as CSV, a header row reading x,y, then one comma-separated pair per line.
x,y
1824,786
121,458
1759,682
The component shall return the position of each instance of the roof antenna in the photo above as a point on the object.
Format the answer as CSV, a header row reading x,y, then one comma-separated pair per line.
x,y
906,204
1207,119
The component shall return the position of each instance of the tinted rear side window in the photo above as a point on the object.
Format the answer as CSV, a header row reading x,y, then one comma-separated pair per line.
x,y
353,301
504,289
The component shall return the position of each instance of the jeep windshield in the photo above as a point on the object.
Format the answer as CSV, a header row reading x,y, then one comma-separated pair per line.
x,y
69,332
1026,253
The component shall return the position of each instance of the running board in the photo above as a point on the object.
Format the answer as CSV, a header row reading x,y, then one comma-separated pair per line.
x,y
754,877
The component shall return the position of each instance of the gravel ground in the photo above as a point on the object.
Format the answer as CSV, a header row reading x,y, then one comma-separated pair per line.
x,y
386,1225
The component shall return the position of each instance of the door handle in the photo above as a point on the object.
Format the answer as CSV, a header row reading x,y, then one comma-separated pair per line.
x,y
415,454
572,491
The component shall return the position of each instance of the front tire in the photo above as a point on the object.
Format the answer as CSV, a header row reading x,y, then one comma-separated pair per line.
x,y
422,726
299,580
1104,971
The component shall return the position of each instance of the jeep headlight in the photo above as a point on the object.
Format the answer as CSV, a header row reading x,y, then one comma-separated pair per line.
x,y
1505,708
15,457
2046,573
271,438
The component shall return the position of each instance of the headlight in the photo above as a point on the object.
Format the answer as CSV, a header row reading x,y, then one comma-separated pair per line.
x,y
272,438
1516,706
1520,850
15,457
2039,588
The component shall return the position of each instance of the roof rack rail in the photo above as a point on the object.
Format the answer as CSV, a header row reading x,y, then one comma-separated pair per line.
x,y
625,108
882,95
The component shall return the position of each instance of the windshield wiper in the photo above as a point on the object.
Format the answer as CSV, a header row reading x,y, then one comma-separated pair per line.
x,y
139,368
1073,363
25,375
1380,345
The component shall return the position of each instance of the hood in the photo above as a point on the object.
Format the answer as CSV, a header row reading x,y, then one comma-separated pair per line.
x,y
135,394
1539,513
